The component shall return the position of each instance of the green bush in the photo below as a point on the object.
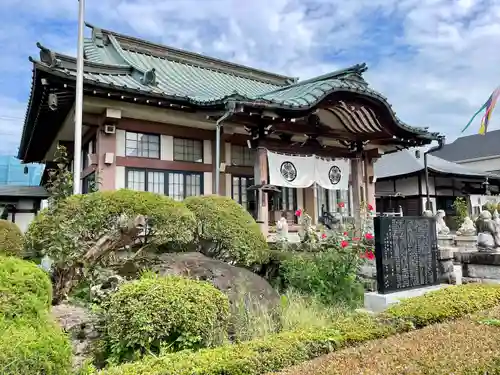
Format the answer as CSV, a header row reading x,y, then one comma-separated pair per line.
x,y
11,239
447,303
67,230
329,275
25,289
30,347
226,231
275,352
165,313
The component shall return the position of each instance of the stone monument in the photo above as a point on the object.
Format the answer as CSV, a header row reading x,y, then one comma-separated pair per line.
x,y
406,254
488,233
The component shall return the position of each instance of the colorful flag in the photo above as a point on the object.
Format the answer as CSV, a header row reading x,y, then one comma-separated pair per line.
x,y
489,106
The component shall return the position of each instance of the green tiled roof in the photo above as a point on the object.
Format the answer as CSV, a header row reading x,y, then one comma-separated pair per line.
x,y
121,62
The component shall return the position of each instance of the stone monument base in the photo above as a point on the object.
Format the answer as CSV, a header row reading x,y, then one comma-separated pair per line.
x,y
376,302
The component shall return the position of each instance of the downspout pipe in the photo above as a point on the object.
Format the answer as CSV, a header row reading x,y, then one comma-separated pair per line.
x,y
229,112
441,142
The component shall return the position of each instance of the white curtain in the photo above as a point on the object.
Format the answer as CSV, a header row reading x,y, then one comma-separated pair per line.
x,y
291,171
304,171
332,174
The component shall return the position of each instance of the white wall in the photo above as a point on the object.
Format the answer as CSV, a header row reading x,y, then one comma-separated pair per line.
x,y
491,164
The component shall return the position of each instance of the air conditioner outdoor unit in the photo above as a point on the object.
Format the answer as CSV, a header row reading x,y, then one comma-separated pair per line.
x,y
109,129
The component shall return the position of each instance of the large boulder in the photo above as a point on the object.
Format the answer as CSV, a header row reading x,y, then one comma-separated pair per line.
x,y
233,281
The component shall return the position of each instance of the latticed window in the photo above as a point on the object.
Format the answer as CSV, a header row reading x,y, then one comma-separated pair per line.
x,y
142,145
177,185
239,190
242,156
188,150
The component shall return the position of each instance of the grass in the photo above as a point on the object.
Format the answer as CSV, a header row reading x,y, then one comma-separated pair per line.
x,y
466,346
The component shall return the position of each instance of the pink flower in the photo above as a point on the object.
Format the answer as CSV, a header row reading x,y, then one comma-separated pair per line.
x,y
298,213
370,255
356,239
370,207
323,235
344,243
346,234
341,204
369,236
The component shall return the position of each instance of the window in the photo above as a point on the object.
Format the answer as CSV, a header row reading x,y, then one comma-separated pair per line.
x,y
288,199
87,149
177,185
242,156
89,184
142,145
188,150
239,189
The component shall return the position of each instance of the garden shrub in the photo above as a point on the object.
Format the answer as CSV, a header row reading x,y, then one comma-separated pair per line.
x,y
165,313
226,231
33,347
447,303
11,239
275,352
67,230
25,289
329,275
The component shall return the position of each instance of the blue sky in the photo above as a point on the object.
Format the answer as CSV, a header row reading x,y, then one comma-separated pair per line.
x,y
433,59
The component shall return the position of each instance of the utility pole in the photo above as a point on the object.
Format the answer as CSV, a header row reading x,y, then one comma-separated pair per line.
x,y
77,156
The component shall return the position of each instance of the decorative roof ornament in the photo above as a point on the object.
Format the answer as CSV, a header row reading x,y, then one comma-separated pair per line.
x,y
149,77
98,37
48,57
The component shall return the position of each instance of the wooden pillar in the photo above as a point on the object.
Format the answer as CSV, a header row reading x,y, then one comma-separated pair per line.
x,y
369,182
357,196
261,177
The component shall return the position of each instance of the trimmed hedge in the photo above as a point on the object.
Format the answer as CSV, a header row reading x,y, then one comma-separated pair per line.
x,y
25,289
29,342
67,230
153,313
11,239
276,352
226,231
31,347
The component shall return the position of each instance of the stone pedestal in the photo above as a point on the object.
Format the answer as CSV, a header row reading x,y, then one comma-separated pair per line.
x,y
446,259
445,241
466,243
376,302
479,266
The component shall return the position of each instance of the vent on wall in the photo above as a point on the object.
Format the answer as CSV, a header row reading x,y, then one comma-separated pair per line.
x,y
109,129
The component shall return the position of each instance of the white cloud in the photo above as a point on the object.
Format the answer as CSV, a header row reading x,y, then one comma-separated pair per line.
x,y
433,59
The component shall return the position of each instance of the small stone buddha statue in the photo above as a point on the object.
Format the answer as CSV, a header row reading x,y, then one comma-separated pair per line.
x,y
441,226
467,228
488,232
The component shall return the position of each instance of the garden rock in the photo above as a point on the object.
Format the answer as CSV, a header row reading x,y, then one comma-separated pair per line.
x,y
82,328
233,281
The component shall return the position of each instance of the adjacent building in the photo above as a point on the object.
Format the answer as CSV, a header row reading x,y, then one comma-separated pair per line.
x,y
401,182
481,152
165,120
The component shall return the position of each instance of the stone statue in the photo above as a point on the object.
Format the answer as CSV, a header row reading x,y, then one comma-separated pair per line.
x,y
488,236
496,217
467,228
427,213
282,228
441,226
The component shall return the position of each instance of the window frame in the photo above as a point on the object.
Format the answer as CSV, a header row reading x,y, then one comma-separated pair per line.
x,y
166,182
194,140
250,182
244,149
149,135
90,147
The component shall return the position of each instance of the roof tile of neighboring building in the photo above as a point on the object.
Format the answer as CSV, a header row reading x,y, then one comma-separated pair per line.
x,y
23,191
405,162
471,147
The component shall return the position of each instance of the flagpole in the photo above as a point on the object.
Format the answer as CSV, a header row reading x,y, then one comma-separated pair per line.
x,y
77,164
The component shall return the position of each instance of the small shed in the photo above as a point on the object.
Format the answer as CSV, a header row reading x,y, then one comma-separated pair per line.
x,y
20,204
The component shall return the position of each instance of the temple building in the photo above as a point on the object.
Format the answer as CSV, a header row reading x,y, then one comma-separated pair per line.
x,y
178,123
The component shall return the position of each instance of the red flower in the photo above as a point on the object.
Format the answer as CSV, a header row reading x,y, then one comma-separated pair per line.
x,y
344,243
323,235
369,236
356,239
370,255
341,204
298,213
370,207
346,234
